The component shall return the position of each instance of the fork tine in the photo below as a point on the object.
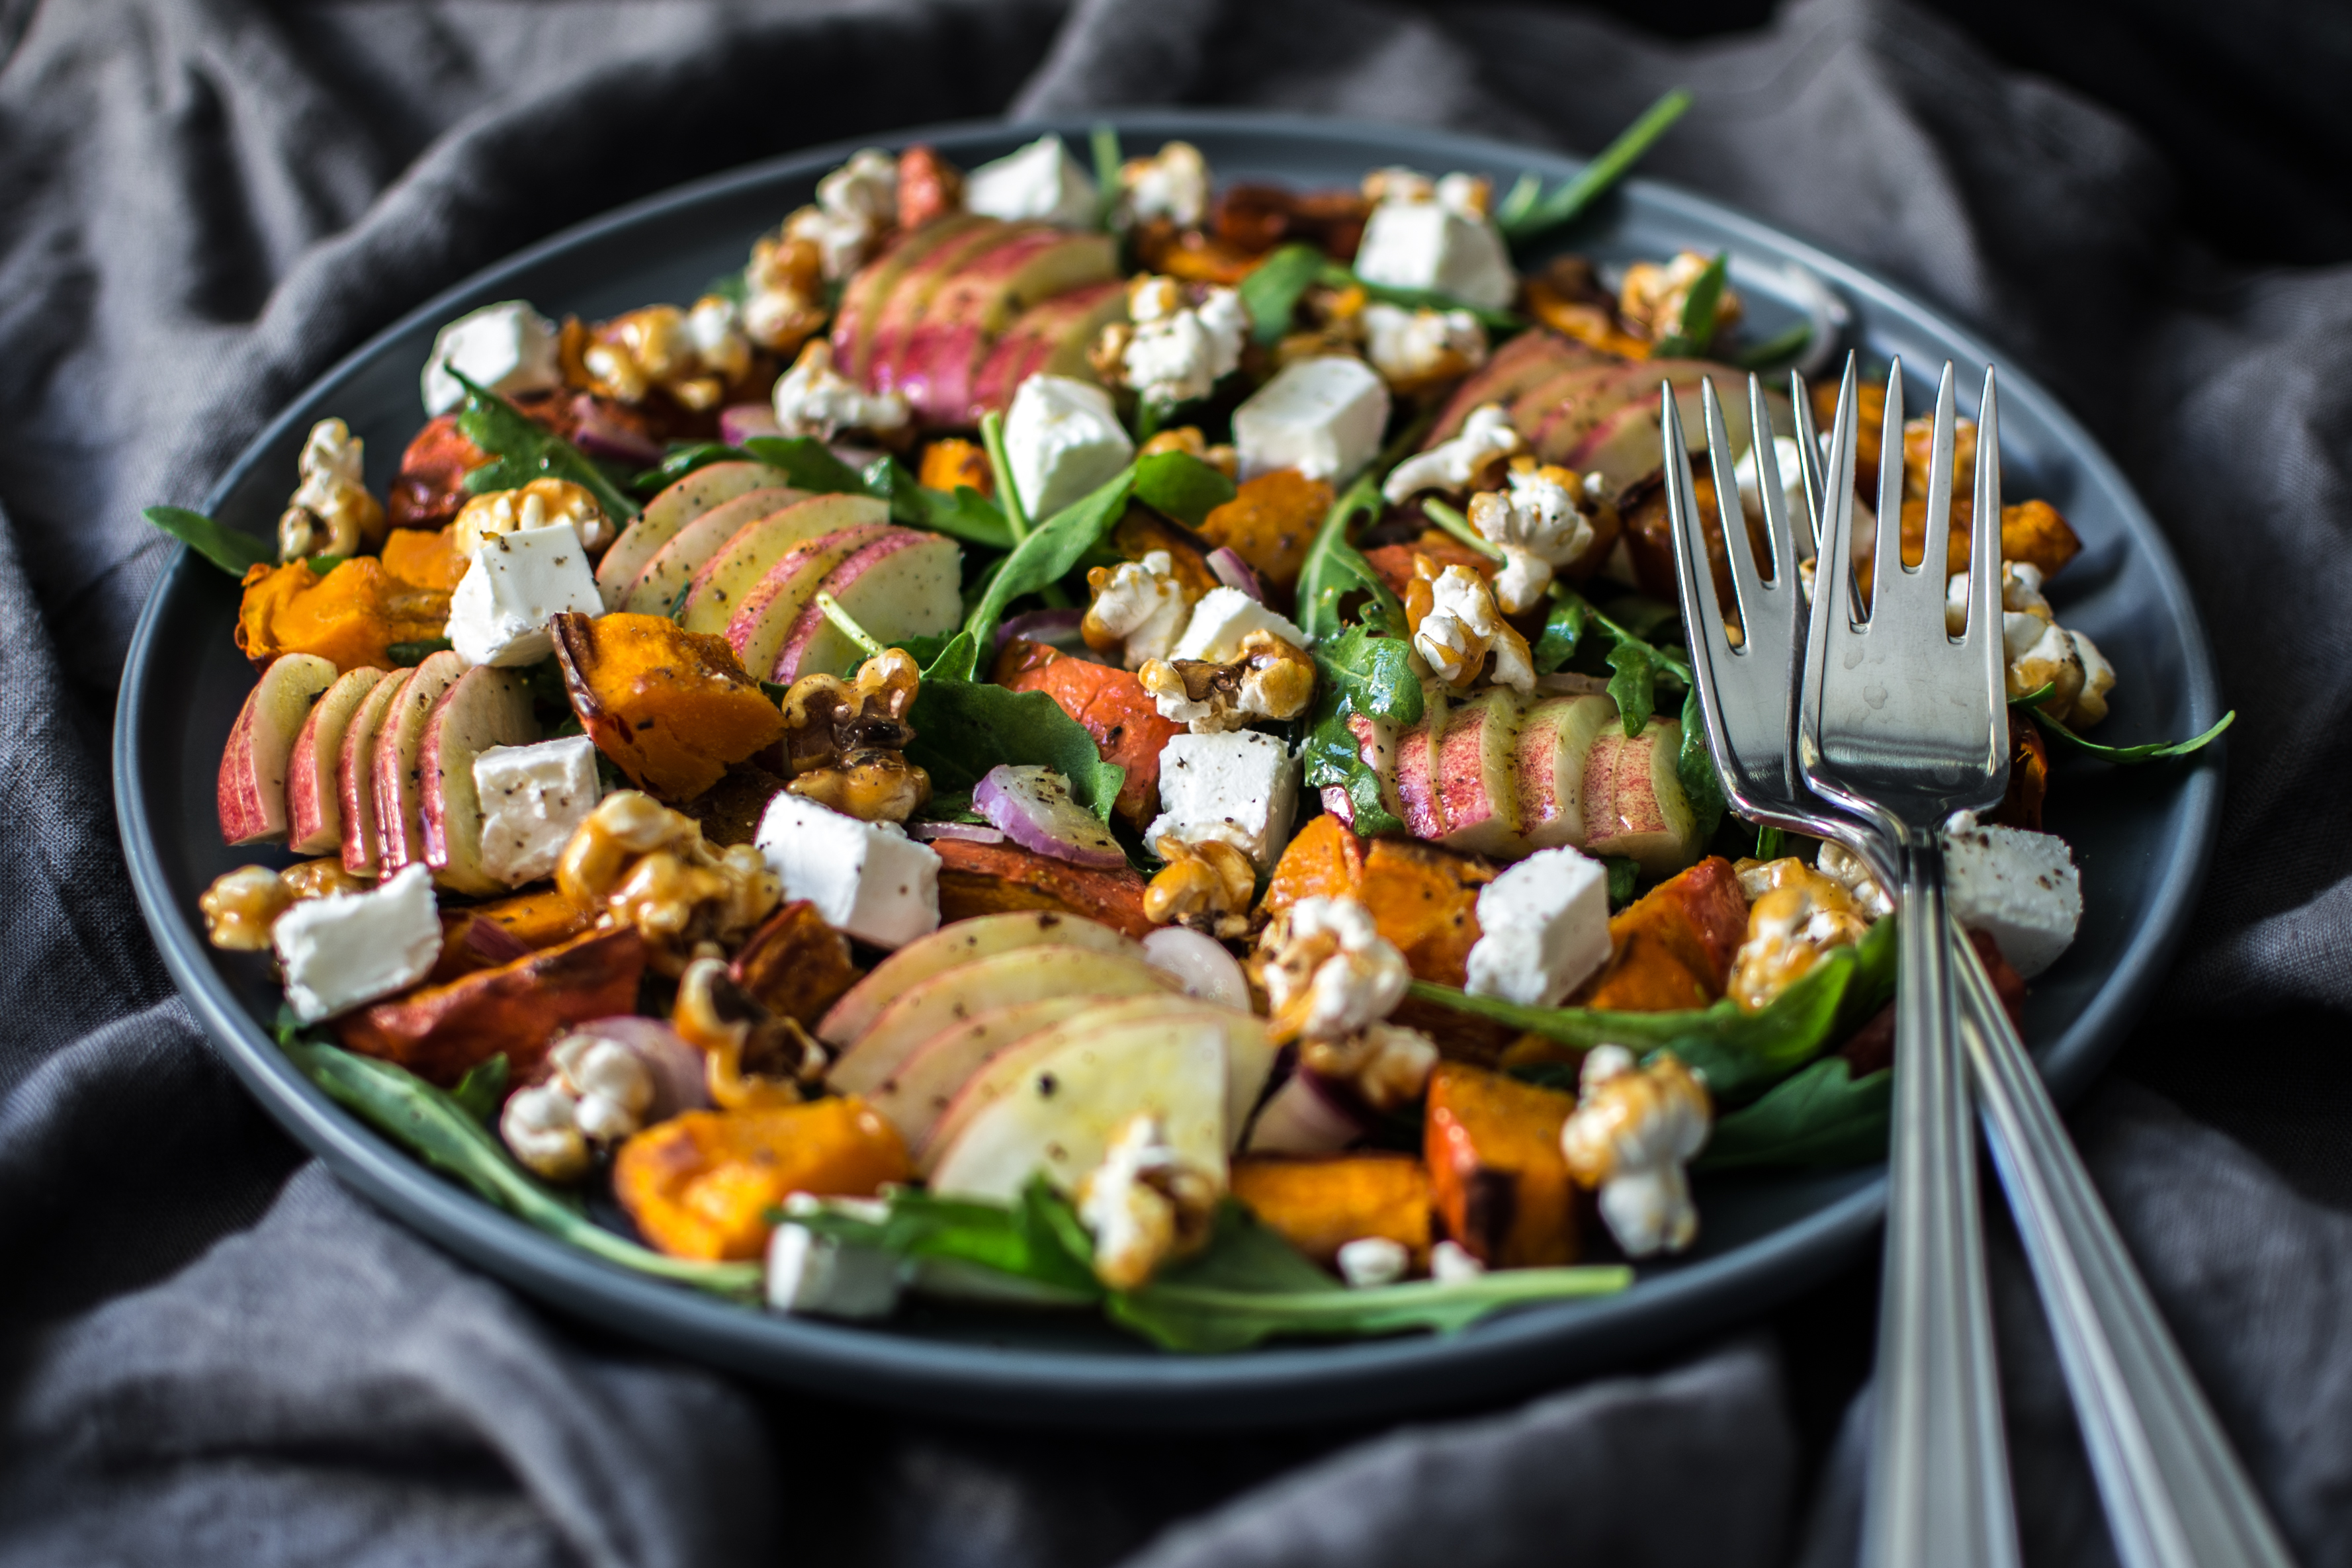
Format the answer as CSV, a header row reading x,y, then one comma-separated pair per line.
x,y
1747,583
1781,530
1833,570
1808,460
1700,603
1935,560
1984,571
1886,557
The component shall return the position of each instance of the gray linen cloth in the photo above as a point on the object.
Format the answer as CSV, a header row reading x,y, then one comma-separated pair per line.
x,y
209,1353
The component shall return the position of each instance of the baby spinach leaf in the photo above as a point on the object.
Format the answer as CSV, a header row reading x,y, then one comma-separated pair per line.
x,y
1271,291
810,464
963,728
1778,349
406,654
1048,552
1822,1116
521,451
1527,212
444,1131
483,1088
232,550
1334,276
1694,770
967,514
1697,332
1742,1053
1372,673
1563,631
1624,875
1183,485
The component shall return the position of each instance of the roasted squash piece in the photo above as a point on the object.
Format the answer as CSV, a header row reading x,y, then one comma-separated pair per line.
x,y
1325,860
351,615
424,557
1320,1205
993,879
2032,533
702,1184
1112,707
488,935
519,1008
795,965
1495,1172
1270,522
671,708
952,461
1394,562
1425,899
1673,947
1143,530
1870,413
2029,775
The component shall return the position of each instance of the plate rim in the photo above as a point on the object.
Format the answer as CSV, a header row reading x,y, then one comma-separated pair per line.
x,y
1282,1385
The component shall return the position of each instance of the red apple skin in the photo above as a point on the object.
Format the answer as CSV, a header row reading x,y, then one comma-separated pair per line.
x,y
399,776
901,584
1516,366
1421,807
483,708
1051,338
910,296
772,609
261,750
940,364
314,806
679,504
1478,774
1634,802
1556,740
869,291
740,564
356,775
673,567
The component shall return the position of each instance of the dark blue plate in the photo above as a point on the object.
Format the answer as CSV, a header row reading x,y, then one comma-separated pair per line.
x,y
2141,836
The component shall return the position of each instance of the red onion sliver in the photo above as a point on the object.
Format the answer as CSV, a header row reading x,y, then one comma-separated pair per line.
x,y
1235,572
1054,627
677,1067
971,832
1207,971
1304,1118
600,434
739,422
1034,808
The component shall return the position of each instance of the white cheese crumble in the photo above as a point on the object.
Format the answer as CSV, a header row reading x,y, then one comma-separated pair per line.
x,y
499,612
349,948
1358,982
855,205
1538,527
1223,618
814,399
1543,927
532,798
1371,1260
504,348
1140,607
1632,1131
1486,436
1177,352
1437,238
867,879
1040,180
1413,347
1173,183
1463,627
1323,416
1239,787
2018,887
1062,439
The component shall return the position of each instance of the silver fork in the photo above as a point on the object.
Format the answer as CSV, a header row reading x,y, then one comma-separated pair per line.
x,y
1901,725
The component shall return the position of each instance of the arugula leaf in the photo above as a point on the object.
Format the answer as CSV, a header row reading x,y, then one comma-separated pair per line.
x,y
1696,331
406,654
1623,876
521,451
1183,485
682,461
1271,291
1041,560
1694,770
1563,630
1634,683
1740,1052
1106,166
1335,569
810,464
439,1128
1527,212
1822,1116
483,1088
1781,349
1331,756
963,728
2122,756
232,550
1768,844
1372,673
1635,663
1334,276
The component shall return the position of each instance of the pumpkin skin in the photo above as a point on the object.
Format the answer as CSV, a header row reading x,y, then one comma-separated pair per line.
x,y
672,708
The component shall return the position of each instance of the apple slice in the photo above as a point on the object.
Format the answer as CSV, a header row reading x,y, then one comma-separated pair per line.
x,y
937,365
900,583
1529,358
913,1098
1376,744
718,588
673,567
953,946
1556,738
862,300
1633,801
261,750
894,324
1049,339
770,612
1478,774
399,762
314,806
680,503
356,775
1023,974
483,708
1418,787
1072,1102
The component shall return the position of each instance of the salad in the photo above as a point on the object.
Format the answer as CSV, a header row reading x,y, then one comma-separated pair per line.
x,y
1075,737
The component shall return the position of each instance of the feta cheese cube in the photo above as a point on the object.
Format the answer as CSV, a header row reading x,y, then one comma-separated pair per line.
x,y
1322,417
1240,786
867,879
1062,438
825,1277
349,948
499,612
504,348
532,798
1371,1260
1040,180
1543,928
1223,618
2018,888
1429,244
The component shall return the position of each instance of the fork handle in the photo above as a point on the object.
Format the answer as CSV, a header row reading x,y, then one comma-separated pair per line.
x,y
2174,1492
1938,1492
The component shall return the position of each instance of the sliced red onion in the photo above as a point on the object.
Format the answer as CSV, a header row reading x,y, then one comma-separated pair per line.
x,y
1340,803
1200,962
1034,808
971,832
1235,572
677,1067
490,944
1054,627
858,458
599,434
739,422
1305,1117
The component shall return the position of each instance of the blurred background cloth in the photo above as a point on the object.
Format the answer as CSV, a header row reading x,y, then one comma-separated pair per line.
x,y
210,1353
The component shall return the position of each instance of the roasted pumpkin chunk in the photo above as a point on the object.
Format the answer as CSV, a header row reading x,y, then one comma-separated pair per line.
x,y
351,615
1325,860
703,1185
519,1009
488,935
1674,947
993,879
671,708
425,557
1321,1204
1425,899
1495,1172
1110,704
1270,522
795,965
